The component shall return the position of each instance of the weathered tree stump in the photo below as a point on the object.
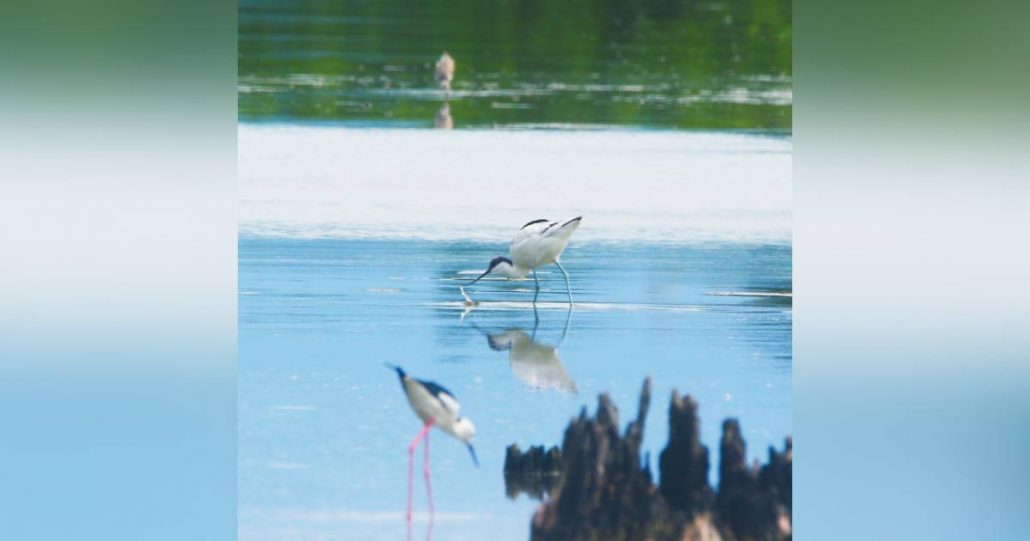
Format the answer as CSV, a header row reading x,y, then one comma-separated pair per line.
x,y
684,462
749,504
605,492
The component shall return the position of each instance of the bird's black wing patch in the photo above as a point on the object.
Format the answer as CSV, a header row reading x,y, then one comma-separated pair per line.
x,y
447,400
533,222
435,388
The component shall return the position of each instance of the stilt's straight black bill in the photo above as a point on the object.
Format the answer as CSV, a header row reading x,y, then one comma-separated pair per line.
x,y
472,451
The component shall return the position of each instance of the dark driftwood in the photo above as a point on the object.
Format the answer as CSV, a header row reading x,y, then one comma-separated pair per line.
x,y
535,472
605,491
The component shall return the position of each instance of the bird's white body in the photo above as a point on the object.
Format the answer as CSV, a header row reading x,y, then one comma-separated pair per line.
x,y
534,363
538,243
442,408
445,71
436,406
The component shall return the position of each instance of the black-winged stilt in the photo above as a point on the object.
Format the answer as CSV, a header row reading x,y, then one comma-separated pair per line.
x,y
445,72
539,242
435,406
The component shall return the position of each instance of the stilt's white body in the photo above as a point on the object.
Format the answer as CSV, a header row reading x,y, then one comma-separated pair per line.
x,y
442,408
534,363
436,406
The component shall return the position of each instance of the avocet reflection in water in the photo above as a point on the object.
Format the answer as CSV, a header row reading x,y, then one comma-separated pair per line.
x,y
534,362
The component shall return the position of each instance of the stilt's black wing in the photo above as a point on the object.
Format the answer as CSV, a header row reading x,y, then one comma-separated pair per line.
x,y
446,398
434,387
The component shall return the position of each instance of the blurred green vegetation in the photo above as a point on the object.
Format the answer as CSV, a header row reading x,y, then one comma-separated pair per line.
x,y
682,64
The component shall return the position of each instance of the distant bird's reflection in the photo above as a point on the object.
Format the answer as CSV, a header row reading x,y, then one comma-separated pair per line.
x,y
533,362
443,118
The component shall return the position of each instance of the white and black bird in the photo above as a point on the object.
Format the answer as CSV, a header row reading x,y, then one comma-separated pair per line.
x,y
445,72
539,243
435,406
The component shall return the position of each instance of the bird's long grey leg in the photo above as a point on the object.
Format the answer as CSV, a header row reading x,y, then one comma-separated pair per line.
x,y
536,323
565,332
567,287
537,292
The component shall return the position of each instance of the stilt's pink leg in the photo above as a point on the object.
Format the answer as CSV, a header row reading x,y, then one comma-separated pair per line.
x,y
411,475
411,461
426,474
409,522
429,528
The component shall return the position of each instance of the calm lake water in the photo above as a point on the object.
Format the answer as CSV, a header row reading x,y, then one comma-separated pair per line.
x,y
323,425
353,244
666,124
666,63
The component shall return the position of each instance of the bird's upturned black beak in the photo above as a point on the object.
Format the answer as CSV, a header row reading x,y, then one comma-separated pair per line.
x,y
480,277
472,451
489,268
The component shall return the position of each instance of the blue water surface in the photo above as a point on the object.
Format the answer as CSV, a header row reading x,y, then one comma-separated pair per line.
x,y
324,427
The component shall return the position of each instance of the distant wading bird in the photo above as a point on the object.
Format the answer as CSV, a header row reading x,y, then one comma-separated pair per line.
x,y
445,71
435,406
538,243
